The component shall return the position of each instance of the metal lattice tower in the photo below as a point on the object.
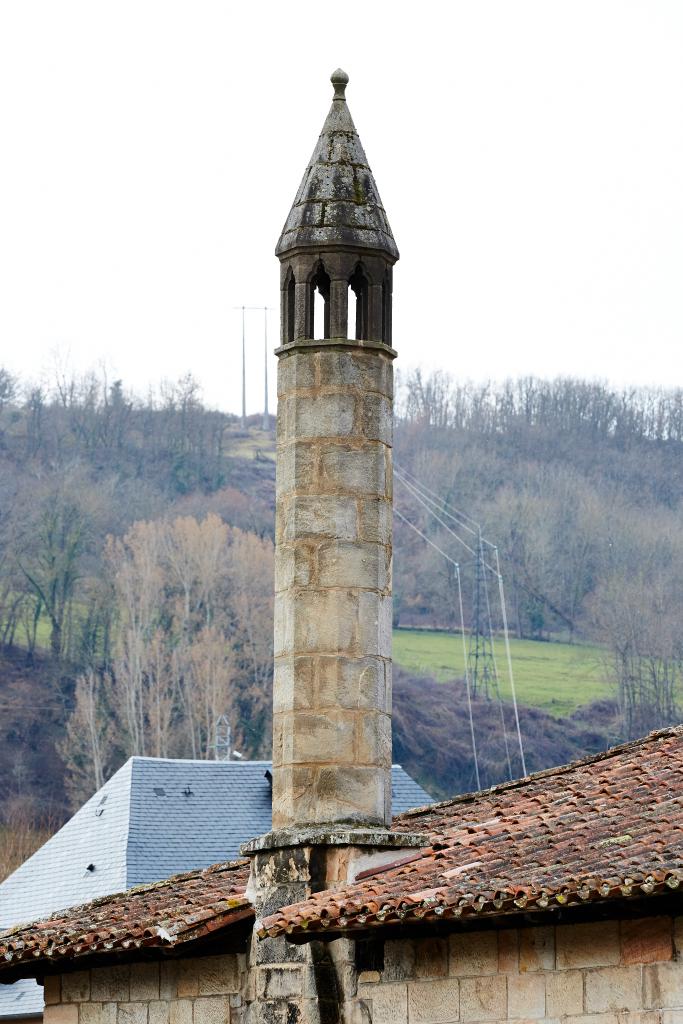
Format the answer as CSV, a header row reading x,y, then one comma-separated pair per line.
x,y
222,743
480,658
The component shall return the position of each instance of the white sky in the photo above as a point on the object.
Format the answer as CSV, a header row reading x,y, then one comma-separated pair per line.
x,y
529,155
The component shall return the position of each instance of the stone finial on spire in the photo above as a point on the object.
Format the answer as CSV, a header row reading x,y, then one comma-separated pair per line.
x,y
337,204
339,80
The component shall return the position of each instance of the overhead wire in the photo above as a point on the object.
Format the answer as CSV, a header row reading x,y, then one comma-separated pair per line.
x,y
456,565
428,498
467,680
496,674
463,515
508,654
428,505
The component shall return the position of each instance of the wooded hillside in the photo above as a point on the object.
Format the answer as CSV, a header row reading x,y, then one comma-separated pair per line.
x,y
136,565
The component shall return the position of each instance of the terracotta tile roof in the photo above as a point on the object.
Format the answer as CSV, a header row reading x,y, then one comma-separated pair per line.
x,y
610,827
164,914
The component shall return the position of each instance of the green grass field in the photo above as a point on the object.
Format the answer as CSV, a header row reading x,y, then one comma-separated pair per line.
x,y
553,676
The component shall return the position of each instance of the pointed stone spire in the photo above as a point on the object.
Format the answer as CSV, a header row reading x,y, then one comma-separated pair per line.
x,y
338,203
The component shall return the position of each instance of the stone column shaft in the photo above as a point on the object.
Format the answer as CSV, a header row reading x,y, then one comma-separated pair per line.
x,y
332,689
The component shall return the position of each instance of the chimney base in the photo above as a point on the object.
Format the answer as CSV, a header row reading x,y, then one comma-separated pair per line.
x,y
334,835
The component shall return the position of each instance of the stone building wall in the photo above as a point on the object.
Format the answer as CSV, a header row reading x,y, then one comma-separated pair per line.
x,y
608,972
201,990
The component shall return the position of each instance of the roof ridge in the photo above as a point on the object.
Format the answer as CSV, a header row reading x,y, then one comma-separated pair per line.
x,y
603,755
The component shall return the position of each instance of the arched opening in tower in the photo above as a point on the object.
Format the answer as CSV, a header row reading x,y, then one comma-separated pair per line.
x,y
320,303
386,308
289,311
359,289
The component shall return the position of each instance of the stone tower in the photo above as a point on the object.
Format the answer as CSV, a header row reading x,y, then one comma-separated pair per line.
x,y
332,689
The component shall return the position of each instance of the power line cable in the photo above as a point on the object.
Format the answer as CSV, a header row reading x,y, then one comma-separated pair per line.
x,y
448,510
428,502
467,680
509,660
496,675
424,536
413,490
448,558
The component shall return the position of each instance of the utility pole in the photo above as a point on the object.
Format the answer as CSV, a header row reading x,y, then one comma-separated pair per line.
x,y
266,417
265,310
480,657
244,378
222,742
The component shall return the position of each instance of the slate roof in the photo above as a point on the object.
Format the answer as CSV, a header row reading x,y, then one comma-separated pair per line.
x,y
607,828
338,201
154,818
168,914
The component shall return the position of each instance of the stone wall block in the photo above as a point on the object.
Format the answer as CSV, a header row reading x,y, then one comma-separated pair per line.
x,y
317,415
374,520
296,467
294,566
144,981
678,937
508,951
211,1010
595,944
375,418
188,977
321,516
373,739
320,622
434,1002
220,974
374,624
110,984
280,981
359,469
131,1013
76,987
296,370
399,960
318,738
344,564
158,1012
348,793
97,1013
483,998
61,1013
274,951
168,979
283,626
537,949
52,989
388,1003
293,683
431,957
367,371
180,1011
646,940
526,996
473,954
563,993
350,683
613,988
663,986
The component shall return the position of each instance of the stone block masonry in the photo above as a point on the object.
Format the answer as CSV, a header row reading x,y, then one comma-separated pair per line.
x,y
332,689
202,990
574,974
